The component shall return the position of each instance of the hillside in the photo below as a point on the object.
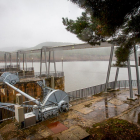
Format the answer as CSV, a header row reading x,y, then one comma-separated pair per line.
x,y
90,54
49,44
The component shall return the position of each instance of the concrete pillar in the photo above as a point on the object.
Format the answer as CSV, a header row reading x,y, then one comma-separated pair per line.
x,y
19,99
19,113
52,82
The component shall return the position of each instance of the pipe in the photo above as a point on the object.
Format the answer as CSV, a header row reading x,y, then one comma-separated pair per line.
x,y
23,93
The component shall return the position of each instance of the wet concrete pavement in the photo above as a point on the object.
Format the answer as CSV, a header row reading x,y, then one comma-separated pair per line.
x,y
97,108
86,112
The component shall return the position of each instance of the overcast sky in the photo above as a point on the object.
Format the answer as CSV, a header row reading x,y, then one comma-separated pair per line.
x,y
27,23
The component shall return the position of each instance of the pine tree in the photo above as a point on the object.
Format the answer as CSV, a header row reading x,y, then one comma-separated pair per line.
x,y
103,19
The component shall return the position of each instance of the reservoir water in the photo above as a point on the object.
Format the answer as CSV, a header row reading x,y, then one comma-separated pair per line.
x,y
82,74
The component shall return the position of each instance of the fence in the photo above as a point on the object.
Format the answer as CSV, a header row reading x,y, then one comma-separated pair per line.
x,y
43,74
37,74
9,68
86,92
27,69
7,112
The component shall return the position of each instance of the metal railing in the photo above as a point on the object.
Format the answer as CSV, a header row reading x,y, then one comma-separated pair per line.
x,y
37,74
28,69
7,112
43,74
87,92
9,66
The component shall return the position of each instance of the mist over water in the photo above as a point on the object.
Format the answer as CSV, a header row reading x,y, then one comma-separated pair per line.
x,y
82,74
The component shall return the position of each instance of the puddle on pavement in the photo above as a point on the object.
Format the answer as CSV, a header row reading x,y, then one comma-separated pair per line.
x,y
101,110
104,109
132,116
57,127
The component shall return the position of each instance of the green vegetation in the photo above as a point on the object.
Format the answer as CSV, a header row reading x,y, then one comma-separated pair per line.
x,y
114,129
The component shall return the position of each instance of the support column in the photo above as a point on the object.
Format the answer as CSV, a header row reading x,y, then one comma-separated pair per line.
x,y
23,61
10,59
116,77
109,67
23,66
137,69
41,63
49,63
45,60
5,57
54,63
17,59
130,80
62,64
26,61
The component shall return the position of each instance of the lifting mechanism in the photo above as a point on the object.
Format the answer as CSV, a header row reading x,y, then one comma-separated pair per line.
x,y
54,102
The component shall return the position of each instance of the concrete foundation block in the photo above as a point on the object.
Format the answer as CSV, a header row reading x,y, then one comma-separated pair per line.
x,y
30,119
19,113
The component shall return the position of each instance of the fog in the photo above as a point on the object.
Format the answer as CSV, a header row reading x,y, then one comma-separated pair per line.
x,y
27,23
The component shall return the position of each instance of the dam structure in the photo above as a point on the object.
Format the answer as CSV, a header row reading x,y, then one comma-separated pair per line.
x,y
40,95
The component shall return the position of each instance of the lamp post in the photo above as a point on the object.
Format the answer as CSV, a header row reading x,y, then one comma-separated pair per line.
x,y
62,63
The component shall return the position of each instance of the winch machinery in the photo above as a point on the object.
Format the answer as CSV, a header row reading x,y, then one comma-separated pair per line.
x,y
54,102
